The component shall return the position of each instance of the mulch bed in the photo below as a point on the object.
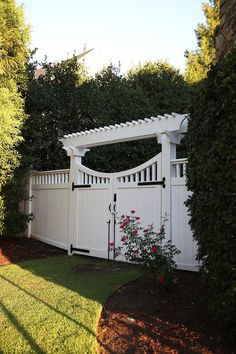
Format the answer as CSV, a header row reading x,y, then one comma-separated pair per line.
x,y
16,249
142,318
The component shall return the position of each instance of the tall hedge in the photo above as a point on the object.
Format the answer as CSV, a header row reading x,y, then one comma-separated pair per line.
x,y
58,103
14,37
211,176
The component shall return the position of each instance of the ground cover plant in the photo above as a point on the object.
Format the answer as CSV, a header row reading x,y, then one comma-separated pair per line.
x,y
48,307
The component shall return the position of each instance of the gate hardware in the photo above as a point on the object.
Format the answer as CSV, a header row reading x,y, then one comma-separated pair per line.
x,y
108,236
114,197
114,231
109,208
78,249
80,186
114,208
162,183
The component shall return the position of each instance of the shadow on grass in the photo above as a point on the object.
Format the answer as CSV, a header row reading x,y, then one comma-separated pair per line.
x,y
95,286
63,314
21,329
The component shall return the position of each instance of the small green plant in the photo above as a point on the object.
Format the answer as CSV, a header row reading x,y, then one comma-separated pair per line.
x,y
147,248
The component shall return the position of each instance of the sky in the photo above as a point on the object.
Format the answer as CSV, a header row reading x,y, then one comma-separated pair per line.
x,y
128,32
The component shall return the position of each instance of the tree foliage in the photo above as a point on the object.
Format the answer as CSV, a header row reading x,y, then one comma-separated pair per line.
x,y
162,85
147,90
111,98
200,60
53,108
65,100
14,37
212,179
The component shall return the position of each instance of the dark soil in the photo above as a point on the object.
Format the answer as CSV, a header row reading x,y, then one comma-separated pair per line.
x,y
16,249
142,317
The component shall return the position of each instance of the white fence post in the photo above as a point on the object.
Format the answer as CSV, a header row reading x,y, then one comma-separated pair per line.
x,y
168,153
75,159
30,204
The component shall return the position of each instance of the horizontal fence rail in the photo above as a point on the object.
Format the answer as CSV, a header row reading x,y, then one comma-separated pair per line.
x,y
50,177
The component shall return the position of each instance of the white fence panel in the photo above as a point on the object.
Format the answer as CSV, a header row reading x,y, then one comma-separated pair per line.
x,y
181,232
50,207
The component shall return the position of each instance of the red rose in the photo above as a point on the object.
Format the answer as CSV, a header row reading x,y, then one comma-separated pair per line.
x,y
137,218
132,211
122,226
146,230
123,216
154,249
123,239
161,280
135,232
111,244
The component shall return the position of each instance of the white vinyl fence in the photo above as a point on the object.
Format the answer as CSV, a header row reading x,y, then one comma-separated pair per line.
x,y
50,207
77,209
181,232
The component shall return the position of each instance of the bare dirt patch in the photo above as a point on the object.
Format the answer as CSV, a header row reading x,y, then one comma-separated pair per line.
x,y
105,266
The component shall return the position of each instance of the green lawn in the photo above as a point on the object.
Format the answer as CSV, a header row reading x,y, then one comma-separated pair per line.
x,y
45,307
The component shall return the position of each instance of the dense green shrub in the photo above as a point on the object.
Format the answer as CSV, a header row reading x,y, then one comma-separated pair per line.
x,y
65,100
211,176
14,36
53,108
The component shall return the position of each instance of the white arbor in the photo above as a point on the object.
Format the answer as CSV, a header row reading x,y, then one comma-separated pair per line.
x,y
91,199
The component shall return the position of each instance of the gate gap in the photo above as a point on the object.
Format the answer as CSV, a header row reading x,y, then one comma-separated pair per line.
x,y
121,156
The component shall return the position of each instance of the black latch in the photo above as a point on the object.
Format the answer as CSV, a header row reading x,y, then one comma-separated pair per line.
x,y
153,183
74,186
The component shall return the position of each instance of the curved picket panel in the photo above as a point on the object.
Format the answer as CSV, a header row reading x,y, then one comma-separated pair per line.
x,y
147,171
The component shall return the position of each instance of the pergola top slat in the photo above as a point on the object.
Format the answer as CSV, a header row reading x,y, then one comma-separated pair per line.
x,y
140,129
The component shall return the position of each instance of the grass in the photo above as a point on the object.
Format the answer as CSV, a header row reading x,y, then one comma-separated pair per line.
x,y
46,307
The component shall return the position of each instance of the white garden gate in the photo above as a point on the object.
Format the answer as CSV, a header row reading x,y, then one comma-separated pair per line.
x,y
101,197
83,205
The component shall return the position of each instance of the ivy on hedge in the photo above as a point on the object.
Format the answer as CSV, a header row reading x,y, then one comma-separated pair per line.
x,y
211,176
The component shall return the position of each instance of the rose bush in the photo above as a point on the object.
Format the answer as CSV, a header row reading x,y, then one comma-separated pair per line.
x,y
146,247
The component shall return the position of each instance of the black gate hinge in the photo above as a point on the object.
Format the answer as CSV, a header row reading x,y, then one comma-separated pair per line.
x,y
153,183
78,249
